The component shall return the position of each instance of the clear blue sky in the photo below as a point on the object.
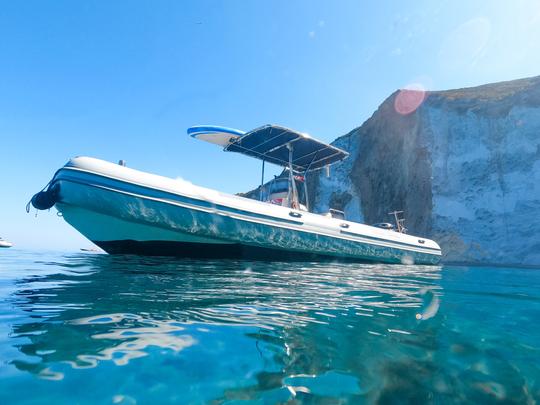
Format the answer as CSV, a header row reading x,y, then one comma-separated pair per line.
x,y
124,79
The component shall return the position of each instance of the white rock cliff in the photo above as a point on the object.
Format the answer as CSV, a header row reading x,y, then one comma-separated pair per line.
x,y
463,164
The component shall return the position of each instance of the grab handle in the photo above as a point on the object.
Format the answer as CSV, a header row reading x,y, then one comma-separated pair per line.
x,y
295,214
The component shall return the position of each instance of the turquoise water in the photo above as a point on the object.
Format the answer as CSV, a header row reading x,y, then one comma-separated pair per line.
x,y
90,328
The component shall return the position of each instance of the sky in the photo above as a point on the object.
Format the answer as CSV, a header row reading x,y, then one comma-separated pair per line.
x,y
125,79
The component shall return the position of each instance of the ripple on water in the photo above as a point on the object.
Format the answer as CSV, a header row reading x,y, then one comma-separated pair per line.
x,y
125,329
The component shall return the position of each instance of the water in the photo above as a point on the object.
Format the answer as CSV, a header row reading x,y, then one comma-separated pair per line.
x,y
89,328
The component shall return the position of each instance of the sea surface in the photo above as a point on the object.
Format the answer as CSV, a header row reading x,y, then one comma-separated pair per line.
x,y
84,328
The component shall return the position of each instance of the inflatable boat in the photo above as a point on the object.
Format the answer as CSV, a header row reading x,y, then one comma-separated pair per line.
x,y
126,211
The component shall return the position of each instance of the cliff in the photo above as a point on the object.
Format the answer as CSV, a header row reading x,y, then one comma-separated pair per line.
x,y
464,166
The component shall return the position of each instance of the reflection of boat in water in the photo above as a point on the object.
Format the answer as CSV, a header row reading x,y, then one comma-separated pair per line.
x,y
147,306
127,211
160,329
5,244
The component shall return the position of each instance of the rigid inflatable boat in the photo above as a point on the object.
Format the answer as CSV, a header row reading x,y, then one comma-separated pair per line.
x,y
5,244
126,211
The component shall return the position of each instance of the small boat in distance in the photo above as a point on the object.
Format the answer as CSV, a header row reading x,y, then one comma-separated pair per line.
x,y
5,244
89,250
125,211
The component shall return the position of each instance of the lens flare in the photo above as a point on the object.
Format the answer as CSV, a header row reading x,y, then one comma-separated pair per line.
x,y
409,99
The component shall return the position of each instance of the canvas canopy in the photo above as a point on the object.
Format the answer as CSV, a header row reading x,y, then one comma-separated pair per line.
x,y
276,144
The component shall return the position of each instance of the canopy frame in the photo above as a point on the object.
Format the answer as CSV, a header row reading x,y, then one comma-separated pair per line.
x,y
295,151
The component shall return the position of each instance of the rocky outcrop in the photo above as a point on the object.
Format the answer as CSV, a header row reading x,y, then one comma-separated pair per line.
x,y
464,166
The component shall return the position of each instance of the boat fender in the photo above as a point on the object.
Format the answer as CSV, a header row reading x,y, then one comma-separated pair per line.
x,y
45,199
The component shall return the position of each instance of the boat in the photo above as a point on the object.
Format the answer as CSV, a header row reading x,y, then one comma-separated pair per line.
x,y
126,211
5,244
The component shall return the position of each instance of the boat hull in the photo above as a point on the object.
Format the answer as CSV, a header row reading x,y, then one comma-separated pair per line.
x,y
124,216
115,236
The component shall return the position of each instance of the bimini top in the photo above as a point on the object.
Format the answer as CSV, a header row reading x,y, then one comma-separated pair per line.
x,y
269,143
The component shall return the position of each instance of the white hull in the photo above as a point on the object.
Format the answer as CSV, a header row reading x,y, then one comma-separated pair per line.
x,y
5,244
126,211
